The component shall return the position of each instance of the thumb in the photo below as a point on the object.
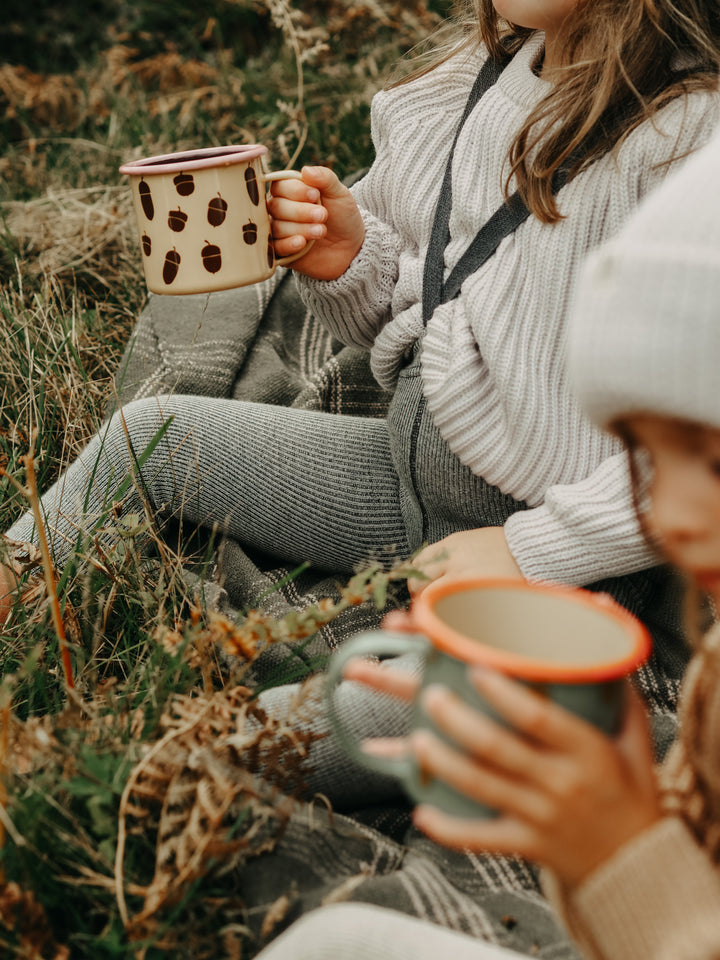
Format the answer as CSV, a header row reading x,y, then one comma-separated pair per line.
x,y
326,181
399,620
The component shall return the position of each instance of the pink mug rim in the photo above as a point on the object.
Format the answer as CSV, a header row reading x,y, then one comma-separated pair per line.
x,y
531,668
199,159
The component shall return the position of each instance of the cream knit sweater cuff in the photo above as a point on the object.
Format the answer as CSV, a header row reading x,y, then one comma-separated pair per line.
x,y
356,305
583,531
657,898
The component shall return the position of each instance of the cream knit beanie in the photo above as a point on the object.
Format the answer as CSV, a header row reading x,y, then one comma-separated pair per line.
x,y
645,332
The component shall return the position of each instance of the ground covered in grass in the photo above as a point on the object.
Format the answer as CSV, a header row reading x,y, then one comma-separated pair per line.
x,y
107,683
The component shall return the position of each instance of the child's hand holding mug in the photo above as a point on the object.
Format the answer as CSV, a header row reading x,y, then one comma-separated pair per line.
x,y
558,767
336,227
204,220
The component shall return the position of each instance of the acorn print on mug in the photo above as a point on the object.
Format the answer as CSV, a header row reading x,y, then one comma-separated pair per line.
x,y
202,218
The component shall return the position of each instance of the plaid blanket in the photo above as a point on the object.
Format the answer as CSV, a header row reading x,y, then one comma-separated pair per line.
x,y
256,343
260,343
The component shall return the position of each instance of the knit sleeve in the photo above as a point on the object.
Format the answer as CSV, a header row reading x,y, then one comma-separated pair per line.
x,y
356,305
583,531
658,898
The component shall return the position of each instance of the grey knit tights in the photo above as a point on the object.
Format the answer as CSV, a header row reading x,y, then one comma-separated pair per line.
x,y
300,485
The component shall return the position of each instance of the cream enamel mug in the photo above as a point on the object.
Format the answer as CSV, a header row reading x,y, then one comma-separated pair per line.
x,y
203,220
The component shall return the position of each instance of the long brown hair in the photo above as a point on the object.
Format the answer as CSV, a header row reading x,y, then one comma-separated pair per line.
x,y
624,60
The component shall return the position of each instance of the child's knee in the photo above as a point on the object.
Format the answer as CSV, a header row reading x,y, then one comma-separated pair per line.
x,y
136,425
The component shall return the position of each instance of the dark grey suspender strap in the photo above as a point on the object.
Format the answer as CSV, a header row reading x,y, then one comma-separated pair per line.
x,y
440,234
502,223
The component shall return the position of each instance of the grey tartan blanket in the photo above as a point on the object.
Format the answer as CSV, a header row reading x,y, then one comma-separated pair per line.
x,y
255,343
259,343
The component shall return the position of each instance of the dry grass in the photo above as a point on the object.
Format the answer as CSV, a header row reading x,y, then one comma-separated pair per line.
x,y
92,779
64,231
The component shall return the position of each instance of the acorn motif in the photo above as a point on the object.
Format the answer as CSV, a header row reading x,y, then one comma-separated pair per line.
x,y
146,200
184,184
217,210
146,245
270,254
211,257
250,232
171,265
252,186
177,220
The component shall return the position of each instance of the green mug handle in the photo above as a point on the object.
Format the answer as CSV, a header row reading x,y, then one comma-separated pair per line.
x,y
379,643
288,175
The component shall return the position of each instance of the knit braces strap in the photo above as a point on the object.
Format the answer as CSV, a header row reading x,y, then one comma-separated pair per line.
x,y
506,219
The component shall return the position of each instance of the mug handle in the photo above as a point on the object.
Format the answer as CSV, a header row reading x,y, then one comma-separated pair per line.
x,y
374,643
288,175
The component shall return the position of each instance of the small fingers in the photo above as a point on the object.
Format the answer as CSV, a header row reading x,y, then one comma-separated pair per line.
x,y
289,246
285,229
292,235
431,563
394,748
326,181
295,217
534,715
294,211
432,559
416,585
296,190
480,736
479,782
396,682
502,835
400,621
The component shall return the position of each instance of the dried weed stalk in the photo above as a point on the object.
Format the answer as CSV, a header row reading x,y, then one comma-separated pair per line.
x,y
30,492
217,785
243,641
306,42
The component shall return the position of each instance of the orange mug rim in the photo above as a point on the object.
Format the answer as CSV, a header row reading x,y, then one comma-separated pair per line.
x,y
475,652
198,159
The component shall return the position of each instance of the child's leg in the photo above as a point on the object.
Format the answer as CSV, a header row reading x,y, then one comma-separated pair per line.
x,y
362,931
298,484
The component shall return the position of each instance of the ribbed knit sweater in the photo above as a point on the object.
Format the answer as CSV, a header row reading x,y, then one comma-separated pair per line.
x,y
493,359
658,897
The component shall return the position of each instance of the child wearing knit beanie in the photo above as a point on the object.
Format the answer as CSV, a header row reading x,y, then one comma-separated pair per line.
x,y
633,857
631,852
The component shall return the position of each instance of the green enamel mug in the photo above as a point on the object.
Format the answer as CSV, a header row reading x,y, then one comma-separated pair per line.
x,y
572,645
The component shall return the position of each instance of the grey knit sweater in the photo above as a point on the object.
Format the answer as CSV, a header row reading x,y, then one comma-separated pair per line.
x,y
493,359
